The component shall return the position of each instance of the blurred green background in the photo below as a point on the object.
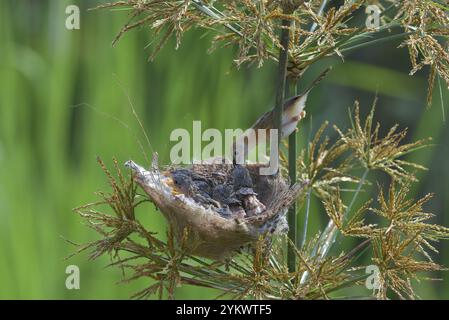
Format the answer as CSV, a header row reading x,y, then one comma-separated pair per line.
x,y
64,100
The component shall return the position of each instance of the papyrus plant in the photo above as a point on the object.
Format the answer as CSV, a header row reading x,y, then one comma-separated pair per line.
x,y
394,231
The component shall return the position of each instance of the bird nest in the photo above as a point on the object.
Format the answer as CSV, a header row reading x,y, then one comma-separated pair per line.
x,y
222,207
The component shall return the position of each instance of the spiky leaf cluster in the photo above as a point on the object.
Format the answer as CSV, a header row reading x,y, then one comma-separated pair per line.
x,y
401,239
317,28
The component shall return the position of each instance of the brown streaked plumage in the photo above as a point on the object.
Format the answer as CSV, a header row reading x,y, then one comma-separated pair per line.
x,y
293,112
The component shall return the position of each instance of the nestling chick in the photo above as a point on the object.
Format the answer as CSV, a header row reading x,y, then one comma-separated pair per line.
x,y
195,189
241,177
243,188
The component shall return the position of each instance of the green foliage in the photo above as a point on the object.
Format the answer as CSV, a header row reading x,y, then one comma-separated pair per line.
x,y
400,246
62,92
254,26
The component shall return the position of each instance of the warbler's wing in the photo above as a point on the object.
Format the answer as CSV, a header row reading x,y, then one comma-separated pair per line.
x,y
292,113
293,110
295,104
264,122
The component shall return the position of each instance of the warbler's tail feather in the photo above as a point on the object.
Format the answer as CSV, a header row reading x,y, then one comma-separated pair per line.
x,y
317,80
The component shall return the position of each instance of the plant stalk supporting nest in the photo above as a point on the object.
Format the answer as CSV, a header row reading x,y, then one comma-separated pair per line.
x,y
292,220
280,97
292,170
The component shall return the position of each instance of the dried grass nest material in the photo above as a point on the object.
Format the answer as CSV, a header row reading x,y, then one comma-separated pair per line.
x,y
212,234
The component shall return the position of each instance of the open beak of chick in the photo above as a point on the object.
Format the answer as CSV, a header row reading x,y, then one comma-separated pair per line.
x,y
172,185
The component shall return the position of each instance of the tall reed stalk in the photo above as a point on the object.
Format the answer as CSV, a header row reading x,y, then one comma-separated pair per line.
x,y
281,87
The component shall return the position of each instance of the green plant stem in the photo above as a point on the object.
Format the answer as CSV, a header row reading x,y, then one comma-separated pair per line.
x,y
320,13
330,233
306,218
280,97
376,41
359,188
309,192
214,13
441,99
292,218
281,77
